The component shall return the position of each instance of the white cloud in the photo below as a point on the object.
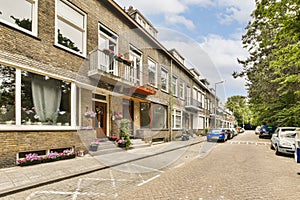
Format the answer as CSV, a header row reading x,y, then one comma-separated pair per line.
x,y
177,19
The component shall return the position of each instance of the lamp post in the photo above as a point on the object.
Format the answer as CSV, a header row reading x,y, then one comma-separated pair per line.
x,y
216,102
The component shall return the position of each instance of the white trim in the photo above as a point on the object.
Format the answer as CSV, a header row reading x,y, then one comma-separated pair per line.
x,y
34,20
167,79
155,71
18,97
63,19
73,104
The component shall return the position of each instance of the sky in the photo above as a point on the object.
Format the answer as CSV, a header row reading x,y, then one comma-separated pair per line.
x,y
207,33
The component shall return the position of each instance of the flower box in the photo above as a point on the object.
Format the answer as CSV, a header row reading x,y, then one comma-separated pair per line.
x,y
94,147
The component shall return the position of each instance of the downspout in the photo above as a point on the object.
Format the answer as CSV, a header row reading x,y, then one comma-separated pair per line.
x,y
171,102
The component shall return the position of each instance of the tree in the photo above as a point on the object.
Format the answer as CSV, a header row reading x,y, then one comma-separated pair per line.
x,y
238,105
273,66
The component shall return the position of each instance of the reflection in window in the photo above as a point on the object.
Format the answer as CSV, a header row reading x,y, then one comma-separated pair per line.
x,y
44,100
152,73
7,95
153,115
70,27
24,19
164,80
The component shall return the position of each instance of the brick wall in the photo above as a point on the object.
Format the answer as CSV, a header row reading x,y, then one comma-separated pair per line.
x,y
15,142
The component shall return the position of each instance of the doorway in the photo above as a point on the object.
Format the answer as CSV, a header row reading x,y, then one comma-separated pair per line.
x,y
101,119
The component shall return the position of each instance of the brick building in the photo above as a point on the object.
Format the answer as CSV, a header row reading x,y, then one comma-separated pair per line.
x,y
63,60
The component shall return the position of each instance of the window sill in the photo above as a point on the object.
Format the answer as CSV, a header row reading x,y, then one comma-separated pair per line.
x,y
21,30
4,127
165,91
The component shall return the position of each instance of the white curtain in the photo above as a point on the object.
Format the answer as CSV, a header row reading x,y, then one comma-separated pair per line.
x,y
46,95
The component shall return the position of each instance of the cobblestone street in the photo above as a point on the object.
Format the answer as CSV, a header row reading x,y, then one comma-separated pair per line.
x,y
242,168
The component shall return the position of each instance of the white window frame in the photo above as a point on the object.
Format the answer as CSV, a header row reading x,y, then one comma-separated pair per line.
x,y
150,62
167,79
181,87
68,22
105,58
175,117
34,20
135,54
175,81
19,126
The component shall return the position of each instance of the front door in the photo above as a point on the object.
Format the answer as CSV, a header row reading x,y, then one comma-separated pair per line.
x,y
100,122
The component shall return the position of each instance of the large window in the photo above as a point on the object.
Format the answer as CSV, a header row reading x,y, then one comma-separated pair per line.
x,y
70,27
31,99
164,80
107,47
136,72
174,85
176,119
152,72
153,116
21,14
7,95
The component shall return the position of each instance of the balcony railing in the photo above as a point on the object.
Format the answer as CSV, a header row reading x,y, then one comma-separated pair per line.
x,y
102,63
112,68
193,104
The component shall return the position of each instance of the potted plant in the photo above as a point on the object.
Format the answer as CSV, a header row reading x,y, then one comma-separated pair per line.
x,y
124,132
121,143
94,145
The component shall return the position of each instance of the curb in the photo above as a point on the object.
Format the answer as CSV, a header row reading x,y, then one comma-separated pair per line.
x,y
73,175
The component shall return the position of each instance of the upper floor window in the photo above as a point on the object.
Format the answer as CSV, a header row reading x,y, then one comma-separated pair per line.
x,y
174,85
107,45
70,29
181,89
164,80
136,73
152,72
20,14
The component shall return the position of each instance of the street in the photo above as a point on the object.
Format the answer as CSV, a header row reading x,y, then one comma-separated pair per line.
x,y
242,168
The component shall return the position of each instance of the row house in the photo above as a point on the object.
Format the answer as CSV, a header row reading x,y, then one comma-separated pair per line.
x,y
70,70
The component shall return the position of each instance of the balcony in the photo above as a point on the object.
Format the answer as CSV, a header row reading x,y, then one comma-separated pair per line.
x,y
115,70
193,104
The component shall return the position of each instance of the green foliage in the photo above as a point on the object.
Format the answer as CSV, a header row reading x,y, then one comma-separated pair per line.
x,y
24,23
239,106
124,131
66,42
273,66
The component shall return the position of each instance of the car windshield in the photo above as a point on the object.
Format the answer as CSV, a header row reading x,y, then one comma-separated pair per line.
x,y
288,134
215,130
288,129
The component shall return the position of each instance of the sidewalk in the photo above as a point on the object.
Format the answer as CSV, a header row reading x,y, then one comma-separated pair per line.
x,y
17,178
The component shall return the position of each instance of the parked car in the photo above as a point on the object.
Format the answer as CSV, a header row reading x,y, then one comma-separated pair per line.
x,y
229,132
217,134
283,140
257,130
266,131
234,131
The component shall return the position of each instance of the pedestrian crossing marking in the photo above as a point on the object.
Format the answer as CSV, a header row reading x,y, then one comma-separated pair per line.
x,y
249,142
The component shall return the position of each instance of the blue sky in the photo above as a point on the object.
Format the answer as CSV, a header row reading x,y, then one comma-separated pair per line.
x,y
206,32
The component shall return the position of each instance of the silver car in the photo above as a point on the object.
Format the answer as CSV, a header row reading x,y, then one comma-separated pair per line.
x,y
283,140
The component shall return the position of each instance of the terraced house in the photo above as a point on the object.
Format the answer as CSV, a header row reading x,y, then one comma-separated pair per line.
x,y
71,69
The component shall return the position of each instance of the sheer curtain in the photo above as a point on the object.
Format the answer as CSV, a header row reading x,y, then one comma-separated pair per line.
x,y
46,95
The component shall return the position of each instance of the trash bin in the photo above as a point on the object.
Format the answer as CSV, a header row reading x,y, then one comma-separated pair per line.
x,y
297,145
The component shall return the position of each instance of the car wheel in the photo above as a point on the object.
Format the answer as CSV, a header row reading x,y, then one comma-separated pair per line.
x,y
276,151
272,147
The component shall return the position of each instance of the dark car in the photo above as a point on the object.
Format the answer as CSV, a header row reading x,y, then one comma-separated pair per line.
x,y
266,131
217,134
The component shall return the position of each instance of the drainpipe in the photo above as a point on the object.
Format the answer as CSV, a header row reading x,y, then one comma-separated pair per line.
x,y
171,101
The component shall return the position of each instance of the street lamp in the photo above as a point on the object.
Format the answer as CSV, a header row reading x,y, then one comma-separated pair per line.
x,y
216,102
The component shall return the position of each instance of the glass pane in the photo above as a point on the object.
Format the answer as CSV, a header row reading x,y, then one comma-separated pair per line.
x,y
7,95
17,12
145,115
159,117
70,37
70,14
45,100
